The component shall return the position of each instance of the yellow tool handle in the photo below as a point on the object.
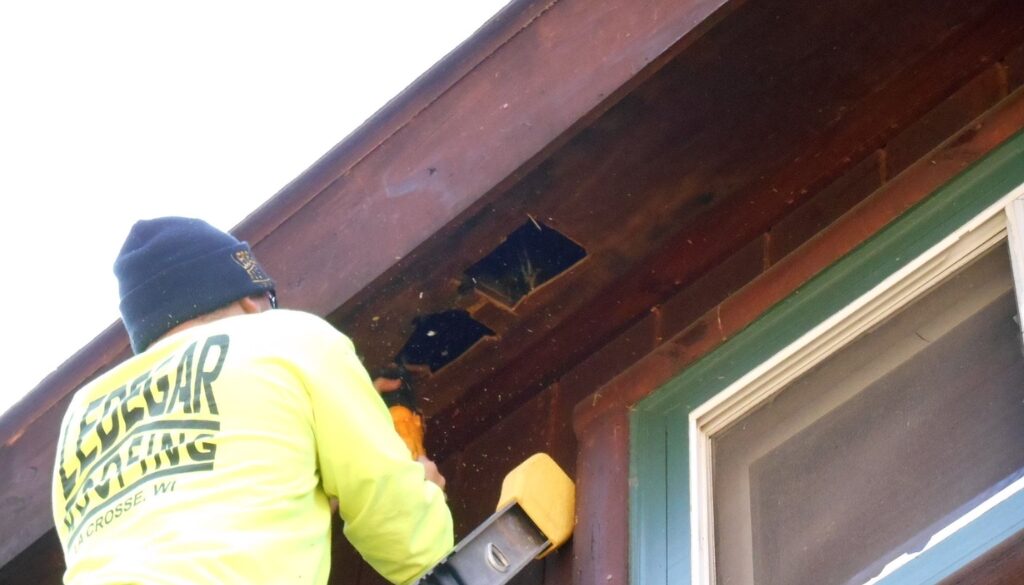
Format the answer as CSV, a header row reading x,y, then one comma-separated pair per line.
x,y
410,427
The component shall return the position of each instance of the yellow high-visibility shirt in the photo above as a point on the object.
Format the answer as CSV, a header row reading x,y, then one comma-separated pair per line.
x,y
211,458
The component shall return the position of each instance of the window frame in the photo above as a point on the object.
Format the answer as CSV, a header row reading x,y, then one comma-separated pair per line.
x,y
670,514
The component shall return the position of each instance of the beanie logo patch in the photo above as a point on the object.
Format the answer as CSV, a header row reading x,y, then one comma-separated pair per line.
x,y
251,267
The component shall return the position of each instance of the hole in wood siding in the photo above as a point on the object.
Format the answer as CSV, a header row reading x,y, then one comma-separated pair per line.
x,y
439,338
530,256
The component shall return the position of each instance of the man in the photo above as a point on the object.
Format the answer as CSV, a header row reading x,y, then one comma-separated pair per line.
x,y
213,455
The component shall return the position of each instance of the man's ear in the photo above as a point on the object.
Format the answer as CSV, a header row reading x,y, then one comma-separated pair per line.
x,y
250,305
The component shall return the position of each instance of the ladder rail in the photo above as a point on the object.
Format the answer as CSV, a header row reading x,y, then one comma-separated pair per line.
x,y
492,554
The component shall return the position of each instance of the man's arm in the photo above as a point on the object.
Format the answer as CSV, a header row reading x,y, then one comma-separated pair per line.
x,y
412,437
396,519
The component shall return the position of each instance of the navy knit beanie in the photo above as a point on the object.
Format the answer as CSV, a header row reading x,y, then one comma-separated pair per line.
x,y
173,269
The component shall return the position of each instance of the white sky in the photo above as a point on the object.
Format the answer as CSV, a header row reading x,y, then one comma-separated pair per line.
x,y
112,111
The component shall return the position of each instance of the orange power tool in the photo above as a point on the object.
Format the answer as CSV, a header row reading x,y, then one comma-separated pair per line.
x,y
401,403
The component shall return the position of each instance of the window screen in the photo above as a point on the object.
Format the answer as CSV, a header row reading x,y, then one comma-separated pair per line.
x,y
886,442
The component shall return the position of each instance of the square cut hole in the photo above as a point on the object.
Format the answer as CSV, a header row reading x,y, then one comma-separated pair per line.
x,y
440,338
530,256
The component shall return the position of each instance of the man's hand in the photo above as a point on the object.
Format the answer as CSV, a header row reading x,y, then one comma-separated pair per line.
x,y
432,472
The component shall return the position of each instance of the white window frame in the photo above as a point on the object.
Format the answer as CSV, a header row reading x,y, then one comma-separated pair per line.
x,y
1001,222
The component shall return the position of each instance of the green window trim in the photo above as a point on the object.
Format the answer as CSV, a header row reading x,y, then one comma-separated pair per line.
x,y
660,537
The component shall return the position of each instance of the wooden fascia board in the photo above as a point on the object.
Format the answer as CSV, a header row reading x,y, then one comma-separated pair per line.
x,y
503,116
391,118
505,99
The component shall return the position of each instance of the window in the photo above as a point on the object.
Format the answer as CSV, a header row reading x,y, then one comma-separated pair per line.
x,y
861,460
869,429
